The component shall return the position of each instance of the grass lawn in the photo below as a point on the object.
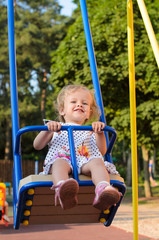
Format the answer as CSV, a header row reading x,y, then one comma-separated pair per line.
x,y
141,194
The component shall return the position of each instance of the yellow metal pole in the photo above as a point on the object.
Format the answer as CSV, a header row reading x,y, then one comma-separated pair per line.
x,y
133,117
149,29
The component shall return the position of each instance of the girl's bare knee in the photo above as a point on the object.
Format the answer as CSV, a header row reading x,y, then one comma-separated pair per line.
x,y
93,163
61,164
97,161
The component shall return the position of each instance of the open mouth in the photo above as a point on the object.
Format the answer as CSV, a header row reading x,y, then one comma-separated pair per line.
x,y
78,110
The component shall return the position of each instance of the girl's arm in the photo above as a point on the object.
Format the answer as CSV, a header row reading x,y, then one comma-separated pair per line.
x,y
100,136
44,137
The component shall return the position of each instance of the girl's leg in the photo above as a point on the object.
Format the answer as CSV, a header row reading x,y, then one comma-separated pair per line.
x,y
105,195
60,170
97,169
5,216
6,208
66,188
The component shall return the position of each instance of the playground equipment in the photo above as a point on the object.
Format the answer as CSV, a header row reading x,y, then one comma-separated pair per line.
x,y
2,199
32,198
2,202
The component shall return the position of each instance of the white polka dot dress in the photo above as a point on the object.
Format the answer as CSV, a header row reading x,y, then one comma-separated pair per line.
x,y
85,150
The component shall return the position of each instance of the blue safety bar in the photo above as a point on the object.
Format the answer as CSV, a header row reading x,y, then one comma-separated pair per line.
x,y
70,130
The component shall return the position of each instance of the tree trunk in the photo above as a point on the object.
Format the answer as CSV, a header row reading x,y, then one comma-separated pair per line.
x,y
43,96
147,187
129,173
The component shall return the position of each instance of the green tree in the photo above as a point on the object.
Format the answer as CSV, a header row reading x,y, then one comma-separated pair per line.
x,y
109,31
70,61
147,79
4,84
39,28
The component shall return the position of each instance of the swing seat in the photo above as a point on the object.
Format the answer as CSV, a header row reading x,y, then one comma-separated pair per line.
x,y
35,200
36,203
26,207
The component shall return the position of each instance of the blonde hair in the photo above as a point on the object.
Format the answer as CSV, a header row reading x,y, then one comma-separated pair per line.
x,y
95,112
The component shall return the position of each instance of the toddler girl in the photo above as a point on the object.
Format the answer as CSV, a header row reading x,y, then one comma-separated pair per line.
x,y
76,105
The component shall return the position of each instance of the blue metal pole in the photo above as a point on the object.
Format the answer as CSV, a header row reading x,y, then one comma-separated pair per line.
x,y
17,171
92,61
72,152
13,77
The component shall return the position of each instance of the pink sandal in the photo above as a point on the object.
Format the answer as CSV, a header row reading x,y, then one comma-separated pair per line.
x,y
67,193
106,196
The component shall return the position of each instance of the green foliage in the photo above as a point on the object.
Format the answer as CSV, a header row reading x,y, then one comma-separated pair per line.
x,y
70,62
108,22
148,119
121,169
38,29
4,77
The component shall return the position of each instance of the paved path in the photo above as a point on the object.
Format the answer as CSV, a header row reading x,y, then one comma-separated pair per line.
x,y
66,232
148,218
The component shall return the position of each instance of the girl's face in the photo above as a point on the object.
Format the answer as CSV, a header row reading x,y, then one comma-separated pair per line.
x,y
77,106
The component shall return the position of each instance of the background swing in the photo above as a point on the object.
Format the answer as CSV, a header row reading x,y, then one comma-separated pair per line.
x,y
33,201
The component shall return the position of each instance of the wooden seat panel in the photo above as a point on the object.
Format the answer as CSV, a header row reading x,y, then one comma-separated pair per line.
x,y
44,211
58,219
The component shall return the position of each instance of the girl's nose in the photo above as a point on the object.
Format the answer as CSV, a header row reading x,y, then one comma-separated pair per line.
x,y
79,104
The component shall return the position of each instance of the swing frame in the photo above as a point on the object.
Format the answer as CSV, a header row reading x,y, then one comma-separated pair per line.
x,y
19,194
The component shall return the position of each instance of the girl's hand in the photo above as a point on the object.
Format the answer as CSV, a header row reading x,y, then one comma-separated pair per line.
x,y
98,126
100,136
54,126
